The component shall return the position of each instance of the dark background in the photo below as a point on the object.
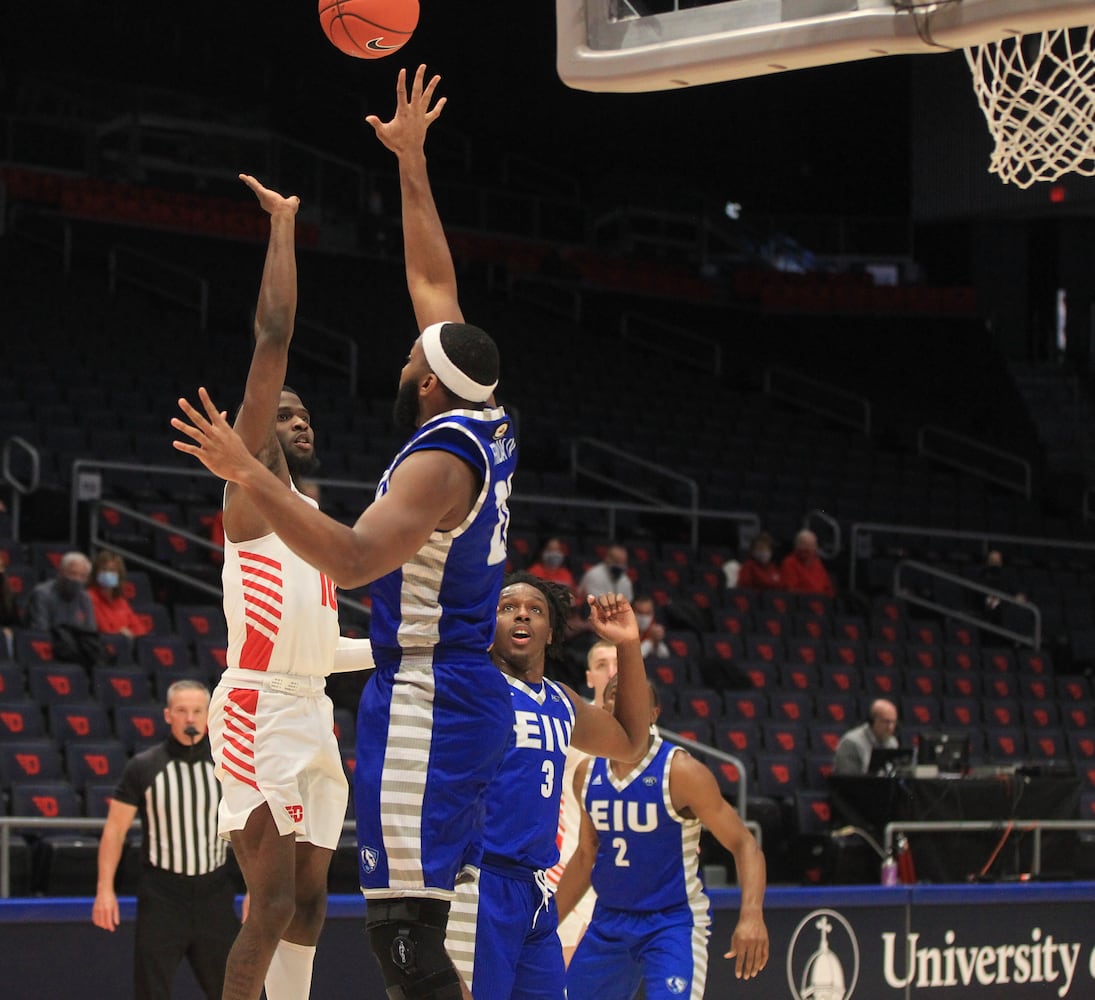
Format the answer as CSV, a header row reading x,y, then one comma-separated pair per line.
x,y
832,139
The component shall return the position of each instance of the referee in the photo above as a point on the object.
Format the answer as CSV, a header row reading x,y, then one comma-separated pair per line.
x,y
186,900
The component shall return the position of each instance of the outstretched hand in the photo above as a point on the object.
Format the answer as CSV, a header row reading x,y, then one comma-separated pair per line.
x,y
413,115
269,199
612,618
749,945
218,447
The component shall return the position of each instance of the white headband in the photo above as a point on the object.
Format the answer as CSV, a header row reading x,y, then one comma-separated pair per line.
x,y
452,378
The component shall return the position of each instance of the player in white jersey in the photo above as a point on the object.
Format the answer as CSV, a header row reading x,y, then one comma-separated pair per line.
x,y
600,669
435,719
271,724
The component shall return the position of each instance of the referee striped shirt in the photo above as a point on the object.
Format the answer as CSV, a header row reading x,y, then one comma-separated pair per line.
x,y
176,795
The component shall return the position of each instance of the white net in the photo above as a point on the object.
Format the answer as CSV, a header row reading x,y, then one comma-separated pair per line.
x,y
1038,95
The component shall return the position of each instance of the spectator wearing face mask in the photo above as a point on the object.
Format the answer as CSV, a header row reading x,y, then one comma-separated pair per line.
x,y
552,564
608,576
651,631
758,572
63,601
113,612
803,570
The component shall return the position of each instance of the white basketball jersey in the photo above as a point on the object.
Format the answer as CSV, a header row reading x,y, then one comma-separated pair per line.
x,y
281,612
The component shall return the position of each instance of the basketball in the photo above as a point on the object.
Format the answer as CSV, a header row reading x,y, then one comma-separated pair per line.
x,y
368,29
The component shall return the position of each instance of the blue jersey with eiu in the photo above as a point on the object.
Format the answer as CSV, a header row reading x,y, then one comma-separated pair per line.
x,y
543,719
647,853
446,595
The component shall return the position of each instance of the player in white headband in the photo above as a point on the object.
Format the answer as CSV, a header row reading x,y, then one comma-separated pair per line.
x,y
436,717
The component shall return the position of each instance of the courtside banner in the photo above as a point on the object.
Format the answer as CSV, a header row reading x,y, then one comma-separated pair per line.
x,y
1014,942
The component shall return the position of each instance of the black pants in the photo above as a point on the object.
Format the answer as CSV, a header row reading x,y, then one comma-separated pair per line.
x,y
191,916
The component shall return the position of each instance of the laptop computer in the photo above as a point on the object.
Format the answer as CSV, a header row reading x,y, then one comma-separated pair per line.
x,y
888,761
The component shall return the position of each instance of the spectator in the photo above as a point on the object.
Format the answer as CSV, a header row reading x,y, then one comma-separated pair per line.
x,y
651,631
803,571
62,607
113,613
551,565
9,613
992,574
608,576
853,752
186,900
63,601
758,572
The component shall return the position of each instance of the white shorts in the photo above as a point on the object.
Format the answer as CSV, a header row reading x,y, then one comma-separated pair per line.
x,y
279,749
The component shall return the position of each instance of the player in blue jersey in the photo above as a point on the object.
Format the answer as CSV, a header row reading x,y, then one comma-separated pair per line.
x,y
639,842
502,931
434,722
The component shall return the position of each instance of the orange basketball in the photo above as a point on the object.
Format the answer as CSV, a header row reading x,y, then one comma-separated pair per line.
x,y
368,29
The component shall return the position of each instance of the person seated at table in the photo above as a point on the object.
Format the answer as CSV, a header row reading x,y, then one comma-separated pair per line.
x,y
853,752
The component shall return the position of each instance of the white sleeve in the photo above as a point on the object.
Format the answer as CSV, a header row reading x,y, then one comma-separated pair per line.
x,y
353,654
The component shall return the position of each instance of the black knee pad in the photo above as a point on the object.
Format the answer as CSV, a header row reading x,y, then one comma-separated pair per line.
x,y
408,939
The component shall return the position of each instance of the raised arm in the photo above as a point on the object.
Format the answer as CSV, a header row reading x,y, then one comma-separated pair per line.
x,y
624,736
429,490
431,278
275,315
576,874
694,791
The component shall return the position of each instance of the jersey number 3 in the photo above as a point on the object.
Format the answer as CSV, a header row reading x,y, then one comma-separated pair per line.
x,y
498,540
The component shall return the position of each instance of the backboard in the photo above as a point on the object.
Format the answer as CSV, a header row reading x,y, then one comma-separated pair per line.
x,y
645,45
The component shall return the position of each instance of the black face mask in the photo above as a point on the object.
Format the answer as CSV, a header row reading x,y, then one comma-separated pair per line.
x,y
67,589
615,572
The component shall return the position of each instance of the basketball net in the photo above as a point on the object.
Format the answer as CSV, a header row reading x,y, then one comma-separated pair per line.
x,y
1037,92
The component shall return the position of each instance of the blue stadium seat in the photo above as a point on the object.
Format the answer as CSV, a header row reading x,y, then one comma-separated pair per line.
x,y
813,814
20,719
53,683
13,682
121,686
75,721
89,761
29,760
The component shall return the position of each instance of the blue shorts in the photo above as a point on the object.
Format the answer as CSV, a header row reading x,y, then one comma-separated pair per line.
x,y
666,950
431,732
502,936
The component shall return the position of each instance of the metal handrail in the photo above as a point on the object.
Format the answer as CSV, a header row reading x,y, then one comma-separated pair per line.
x,y
1036,826
556,295
1023,486
8,823
704,750
116,271
347,366
1034,640
20,489
833,527
665,472
862,423
667,340
19,213
864,528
